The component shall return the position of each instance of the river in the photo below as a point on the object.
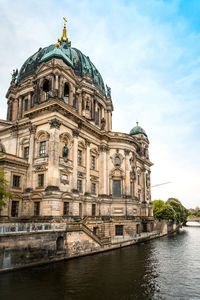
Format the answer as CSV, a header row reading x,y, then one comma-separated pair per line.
x,y
165,268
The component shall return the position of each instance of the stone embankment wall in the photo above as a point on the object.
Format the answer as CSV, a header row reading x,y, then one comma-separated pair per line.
x,y
31,248
21,249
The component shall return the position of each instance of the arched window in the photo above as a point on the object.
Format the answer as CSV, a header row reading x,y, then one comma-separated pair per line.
x,y
117,161
66,92
46,86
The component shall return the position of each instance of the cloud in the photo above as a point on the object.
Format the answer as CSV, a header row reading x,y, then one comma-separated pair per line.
x,y
147,51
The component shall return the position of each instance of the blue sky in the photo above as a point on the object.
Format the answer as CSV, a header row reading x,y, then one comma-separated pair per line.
x,y
148,52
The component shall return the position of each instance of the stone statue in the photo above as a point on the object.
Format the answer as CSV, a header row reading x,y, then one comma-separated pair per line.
x,y
108,91
65,151
14,75
103,123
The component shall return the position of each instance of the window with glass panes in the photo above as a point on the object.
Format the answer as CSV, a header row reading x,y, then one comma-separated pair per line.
x,y
25,104
42,151
36,208
93,188
116,188
79,185
14,208
79,157
40,180
93,210
118,229
93,162
66,209
16,181
26,152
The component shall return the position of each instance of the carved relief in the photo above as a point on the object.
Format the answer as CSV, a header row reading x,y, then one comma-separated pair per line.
x,y
55,123
40,168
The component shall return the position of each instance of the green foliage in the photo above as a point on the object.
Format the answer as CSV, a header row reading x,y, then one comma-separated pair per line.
x,y
166,213
181,212
157,206
171,210
3,186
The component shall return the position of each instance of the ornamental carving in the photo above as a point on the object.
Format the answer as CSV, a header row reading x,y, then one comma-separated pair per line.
x,y
55,123
75,132
40,168
126,152
32,129
103,148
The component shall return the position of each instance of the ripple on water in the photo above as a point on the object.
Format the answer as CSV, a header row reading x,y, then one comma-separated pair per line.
x,y
166,268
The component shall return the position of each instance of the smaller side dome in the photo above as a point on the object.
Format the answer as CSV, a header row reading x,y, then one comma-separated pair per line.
x,y
137,130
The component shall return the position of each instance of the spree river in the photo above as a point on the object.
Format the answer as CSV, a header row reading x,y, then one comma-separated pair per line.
x,y
165,268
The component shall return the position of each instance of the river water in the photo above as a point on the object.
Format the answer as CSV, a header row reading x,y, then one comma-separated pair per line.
x,y
165,268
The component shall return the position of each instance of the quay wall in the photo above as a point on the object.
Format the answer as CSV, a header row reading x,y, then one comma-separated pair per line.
x,y
26,249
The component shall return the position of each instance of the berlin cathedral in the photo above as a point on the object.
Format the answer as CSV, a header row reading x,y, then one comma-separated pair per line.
x,y
62,161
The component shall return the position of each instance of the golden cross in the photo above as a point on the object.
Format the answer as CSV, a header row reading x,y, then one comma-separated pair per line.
x,y
137,123
65,20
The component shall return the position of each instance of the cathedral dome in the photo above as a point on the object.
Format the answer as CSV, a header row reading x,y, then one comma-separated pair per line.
x,y
137,130
80,63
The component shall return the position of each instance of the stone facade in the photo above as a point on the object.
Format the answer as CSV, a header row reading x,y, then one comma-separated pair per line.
x,y
61,157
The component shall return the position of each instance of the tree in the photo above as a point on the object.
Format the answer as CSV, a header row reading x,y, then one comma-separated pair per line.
x,y
3,192
166,213
181,212
157,206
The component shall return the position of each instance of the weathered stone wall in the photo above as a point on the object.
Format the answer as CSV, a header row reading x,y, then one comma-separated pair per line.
x,y
20,249
79,243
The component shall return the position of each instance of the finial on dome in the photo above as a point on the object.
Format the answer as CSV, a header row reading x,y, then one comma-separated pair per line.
x,y
64,38
137,123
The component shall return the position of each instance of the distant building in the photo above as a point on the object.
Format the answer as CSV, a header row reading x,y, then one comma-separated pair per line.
x,y
61,157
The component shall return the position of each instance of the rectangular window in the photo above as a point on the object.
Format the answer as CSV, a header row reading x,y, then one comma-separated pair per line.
x,y
15,209
79,158
80,210
93,210
66,209
118,229
40,180
131,189
116,188
26,152
36,208
79,185
42,151
93,188
16,181
93,162
25,104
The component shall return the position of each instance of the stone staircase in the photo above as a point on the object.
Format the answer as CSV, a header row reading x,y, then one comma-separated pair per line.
x,y
81,226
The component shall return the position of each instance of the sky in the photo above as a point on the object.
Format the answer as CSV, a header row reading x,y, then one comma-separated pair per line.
x,y
147,51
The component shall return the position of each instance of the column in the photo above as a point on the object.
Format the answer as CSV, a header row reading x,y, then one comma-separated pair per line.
x,y
88,158
31,156
75,135
29,100
103,170
53,166
56,82
71,94
127,173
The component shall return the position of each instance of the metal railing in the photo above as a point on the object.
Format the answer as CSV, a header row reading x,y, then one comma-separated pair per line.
x,y
31,228
124,238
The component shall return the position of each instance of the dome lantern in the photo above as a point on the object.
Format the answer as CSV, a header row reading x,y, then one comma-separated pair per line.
x,y
137,130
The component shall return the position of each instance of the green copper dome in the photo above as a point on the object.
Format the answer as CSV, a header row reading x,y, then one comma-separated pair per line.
x,y
73,57
137,130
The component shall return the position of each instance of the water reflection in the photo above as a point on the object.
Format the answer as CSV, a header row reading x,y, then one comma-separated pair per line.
x,y
166,268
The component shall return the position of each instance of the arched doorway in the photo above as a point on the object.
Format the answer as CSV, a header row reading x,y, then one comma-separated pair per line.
x,y
59,243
